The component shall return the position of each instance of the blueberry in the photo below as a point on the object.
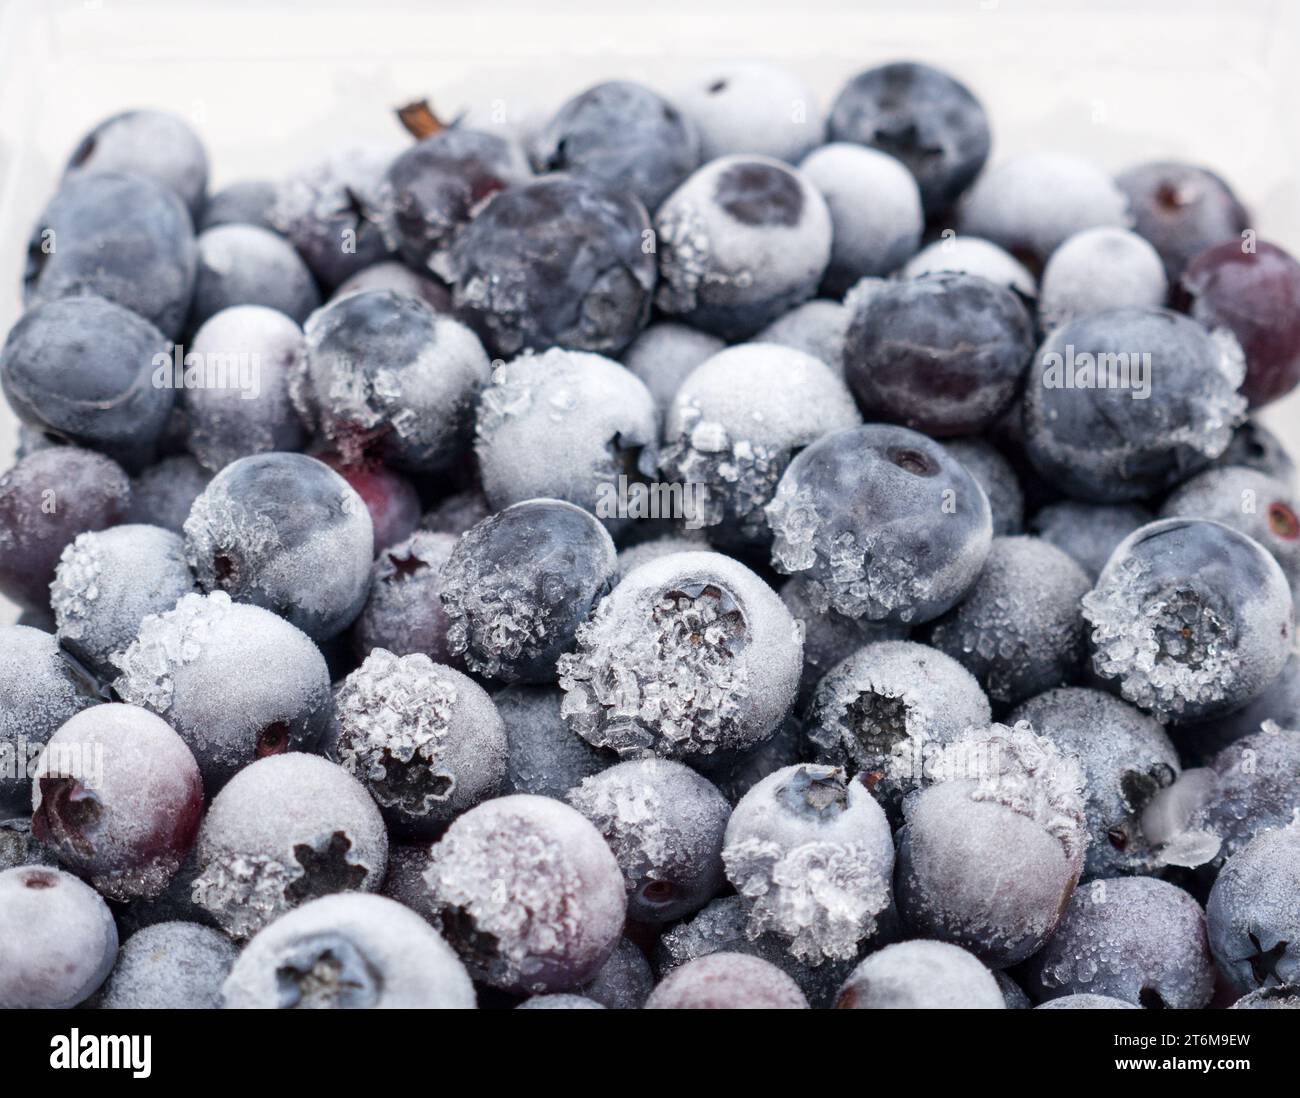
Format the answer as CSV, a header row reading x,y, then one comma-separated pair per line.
x,y
391,275
734,426
812,854
737,771
1099,269
543,755
1251,916
1032,203
727,981
426,741
1256,447
689,654
391,498
1182,209
1019,630
560,1001
998,479
742,241
528,893
385,375
887,708
46,500
943,354
84,370
432,190
988,857
117,794
40,690
404,612
1123,404
1088,532
624,981
348,952
566,425
559,262
664,823
1126,758
921,975
457,513
622,135
875,211
285,830
642,552
121,237
1087,1002
973,256
924,117
284,532
883,521
154,144
247,202
163,494
1191,617
1282,997
518,585
247,265
752,107
404,880
1279,703
237,682
170,966
816,327
108,582
665,353
57,939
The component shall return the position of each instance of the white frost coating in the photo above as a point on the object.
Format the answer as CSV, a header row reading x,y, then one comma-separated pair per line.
x,y
752,107
1100,269
921,975
170,966
1166,820
665,353
813,855
971,255
816,327
727,981
349,951
424,739
645,551
689,654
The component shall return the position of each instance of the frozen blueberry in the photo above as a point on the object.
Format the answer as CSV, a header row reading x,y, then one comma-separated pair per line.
x,y
117,794
1254,293
391,498
921,975
247,202
727,981
404,612
40,690
349,951
331,212
1191,617
642,552
393,275
1087,1002
386,376
884,523
733,427
624,981
943,354
433,189
1123,404
558,262
875,207
246,265
1282,997
560,1001
1099,269
170,966
528,893
1252,917
571,426
988,857
57,939
973,256
155,144
1126,758
237,682
519,584
922,116
998,479
121,237
84,370
742,241
46,500
284,830
887,708
1279,703
689,654
1256,447
425,740
1019,630
664,354
752,107
1089,532
544,756
816,327
736,772
1182,209
285,532
457,513
108,582
812,854
163,494
622,135
664,823
1032,203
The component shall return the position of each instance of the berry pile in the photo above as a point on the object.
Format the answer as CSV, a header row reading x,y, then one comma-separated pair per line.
x,y
702,553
